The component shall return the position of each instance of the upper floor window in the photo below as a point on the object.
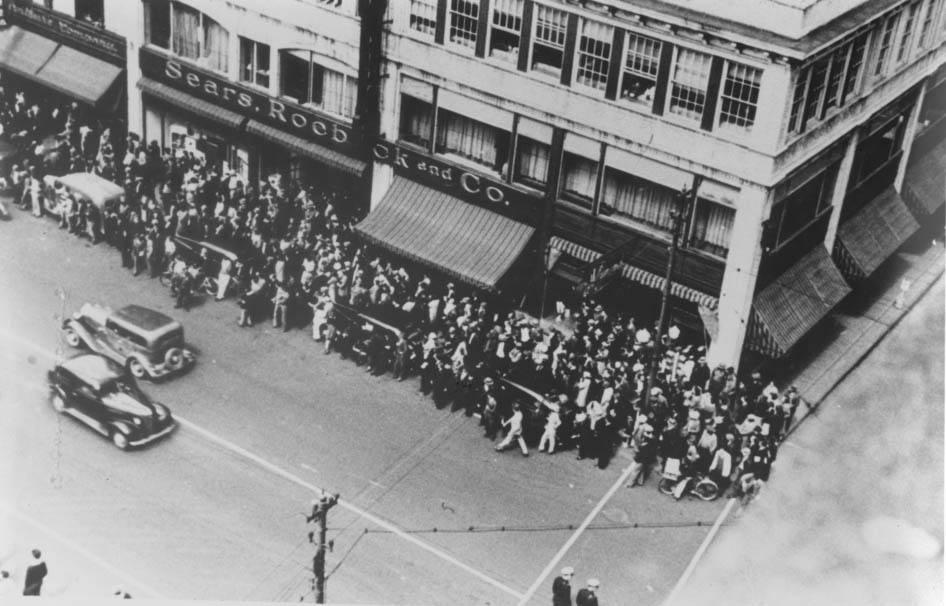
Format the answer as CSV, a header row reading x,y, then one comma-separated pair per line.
x,y
417,119
740,96
424,16
798,210
640,69
307,82
92,11
254,62
884,43
506,31
472,140
187,33
532,161
637,200
688,84
711,227
579,176
927,26
548,46
463,21
906,32
594,54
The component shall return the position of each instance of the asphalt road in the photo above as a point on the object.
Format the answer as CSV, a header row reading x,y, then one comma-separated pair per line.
x,y
870,459
216,511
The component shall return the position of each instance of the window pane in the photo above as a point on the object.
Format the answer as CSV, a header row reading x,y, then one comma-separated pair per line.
x,y
464,20
819,79
216,44
247,67
578,183
594,54
886,39
295,75
158,23
507,27
712,227
416,120
338,93
640,68
690,78
473,140
740,95
424,16
262,64
549,45
187,36
533,161
855,63
638,200
907,35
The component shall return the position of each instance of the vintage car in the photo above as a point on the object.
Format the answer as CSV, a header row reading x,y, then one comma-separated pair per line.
x,y
209,254
104,195
101,394
356,327
149,343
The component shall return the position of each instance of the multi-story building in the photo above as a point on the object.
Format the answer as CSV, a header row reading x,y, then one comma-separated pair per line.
x,y
564,131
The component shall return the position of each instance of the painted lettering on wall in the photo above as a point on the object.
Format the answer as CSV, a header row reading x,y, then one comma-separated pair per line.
x,y
72,31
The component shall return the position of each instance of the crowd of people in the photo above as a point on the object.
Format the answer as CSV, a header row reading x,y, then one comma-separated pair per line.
x,y
303,265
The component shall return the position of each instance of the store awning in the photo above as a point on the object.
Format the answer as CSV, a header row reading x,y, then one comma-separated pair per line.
x,y
651,280
329,157
470,243
202,108
925,181
790,306
874,233
61,68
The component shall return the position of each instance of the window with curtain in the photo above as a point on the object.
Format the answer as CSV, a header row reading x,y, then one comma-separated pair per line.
x,y
739,96
689,81
416,120
308,83
463,21
473,140
594,54
254,62
578,179
532,161
712,227
548,45
424,16
640,69
507,27
187,33
637,200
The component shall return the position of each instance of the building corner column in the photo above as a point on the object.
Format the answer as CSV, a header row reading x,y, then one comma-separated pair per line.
x,y
740,276
382,174
909,136
840,189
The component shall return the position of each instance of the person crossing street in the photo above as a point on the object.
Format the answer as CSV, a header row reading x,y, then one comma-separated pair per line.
x,y
514,423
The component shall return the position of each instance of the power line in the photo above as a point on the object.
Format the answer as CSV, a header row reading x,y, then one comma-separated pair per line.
x,y
542,528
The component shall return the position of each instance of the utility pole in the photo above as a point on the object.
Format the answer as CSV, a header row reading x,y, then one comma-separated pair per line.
x,y
319,514
680,215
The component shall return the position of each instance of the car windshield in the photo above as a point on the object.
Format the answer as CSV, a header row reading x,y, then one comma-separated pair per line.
x,y
122,386
124,397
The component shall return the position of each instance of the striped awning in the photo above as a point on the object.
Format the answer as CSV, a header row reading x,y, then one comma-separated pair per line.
x,y
329,157
202,108
578,251
470,243
788,308
874,233
924,185
652,280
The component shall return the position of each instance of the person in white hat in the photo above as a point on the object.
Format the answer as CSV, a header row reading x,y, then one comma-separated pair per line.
x,y
562,588
587,595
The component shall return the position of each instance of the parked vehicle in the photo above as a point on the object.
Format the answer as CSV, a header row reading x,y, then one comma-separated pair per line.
x,y
149,343
100,393
354,330
209,254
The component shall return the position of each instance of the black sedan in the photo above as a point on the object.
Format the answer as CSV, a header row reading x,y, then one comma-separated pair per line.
x,y
101,394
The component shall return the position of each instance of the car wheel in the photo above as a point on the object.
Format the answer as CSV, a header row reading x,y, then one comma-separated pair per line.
x,y
59,405
119,439
137,369
174,357
72,337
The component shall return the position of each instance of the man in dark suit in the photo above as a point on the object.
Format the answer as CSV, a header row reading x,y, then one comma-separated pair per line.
x,y
35,573
562,588
586,596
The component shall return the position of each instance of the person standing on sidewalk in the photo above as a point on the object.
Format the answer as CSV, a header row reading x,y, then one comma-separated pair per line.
x,y
562,588
514,423
35,573
586,596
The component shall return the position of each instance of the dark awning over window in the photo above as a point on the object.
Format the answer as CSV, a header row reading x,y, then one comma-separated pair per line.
x,y
788,308
329,157
202,108
924,184
873,234
472,244
61,68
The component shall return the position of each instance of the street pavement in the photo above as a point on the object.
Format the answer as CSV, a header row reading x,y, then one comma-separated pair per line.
x,y
429,513
854,513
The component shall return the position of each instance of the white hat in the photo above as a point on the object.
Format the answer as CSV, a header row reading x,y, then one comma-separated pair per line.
x,y
594,583
568,570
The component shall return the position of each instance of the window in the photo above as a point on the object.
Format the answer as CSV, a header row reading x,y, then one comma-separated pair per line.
x,y
740,95
548,47
579,177
416,120
424,16
92,11
712,227
851,78
532,163
308,83
885,40
187,33
816,86
473,140
803,206
507,26
640,69
254,62
833,88
594,54
927,26
903,51
874,152
688,85
637,200
463,20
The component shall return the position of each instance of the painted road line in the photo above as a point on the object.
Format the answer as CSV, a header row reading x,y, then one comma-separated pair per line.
x,y
128,580
349,506
699,553
300,482
571,541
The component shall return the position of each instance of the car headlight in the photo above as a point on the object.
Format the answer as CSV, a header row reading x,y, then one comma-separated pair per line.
x,y
136,421
161,412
